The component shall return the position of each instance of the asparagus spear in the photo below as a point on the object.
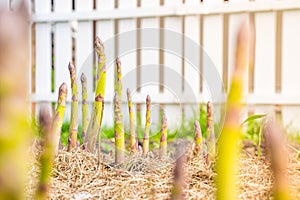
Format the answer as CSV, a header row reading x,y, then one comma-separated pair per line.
x,y
147,125
133,139
59,114
163,138
210,133
95,122
119,131
228,150
198,138
73,131
85,110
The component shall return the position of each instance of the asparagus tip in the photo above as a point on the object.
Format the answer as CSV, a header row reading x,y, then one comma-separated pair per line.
x,y
99,46
63,88
71,66
83,78
118,61
116,97
148,99
196,124
209,108
128,92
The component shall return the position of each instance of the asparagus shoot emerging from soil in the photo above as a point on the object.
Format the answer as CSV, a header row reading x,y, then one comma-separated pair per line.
x,y
59,114
228,149
47,154
163,137
276,150
133,139
95,121
179,175
198,138
119,131
210,133
147,125
73,132
85,109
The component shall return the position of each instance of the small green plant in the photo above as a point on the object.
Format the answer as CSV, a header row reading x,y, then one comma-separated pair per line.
x,y
254,129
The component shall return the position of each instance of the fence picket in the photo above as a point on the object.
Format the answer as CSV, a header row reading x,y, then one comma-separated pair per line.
x,y
192,62
127,44
43,51
106,30
84,45
212,46
149,60
63,46
290,82
172,44
264,58
62,50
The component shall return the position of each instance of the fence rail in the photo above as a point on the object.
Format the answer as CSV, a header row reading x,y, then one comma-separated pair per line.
x,y
171,11
64,30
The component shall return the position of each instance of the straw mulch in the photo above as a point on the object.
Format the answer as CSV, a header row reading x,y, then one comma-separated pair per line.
x,y
76,176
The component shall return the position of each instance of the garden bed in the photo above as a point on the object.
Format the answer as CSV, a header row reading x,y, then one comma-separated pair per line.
x,y
76,176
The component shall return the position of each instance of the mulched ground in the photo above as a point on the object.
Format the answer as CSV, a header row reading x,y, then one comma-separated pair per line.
x,y
76,176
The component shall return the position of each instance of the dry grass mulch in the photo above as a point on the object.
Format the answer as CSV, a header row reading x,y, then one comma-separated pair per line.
x,y
76,176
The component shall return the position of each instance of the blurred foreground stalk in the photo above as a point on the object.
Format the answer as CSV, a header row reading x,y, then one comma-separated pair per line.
x,y
47,154
14,102
228,149
273,135
179,175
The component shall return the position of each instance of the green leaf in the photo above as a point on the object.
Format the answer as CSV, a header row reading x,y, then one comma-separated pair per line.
x,y
254,117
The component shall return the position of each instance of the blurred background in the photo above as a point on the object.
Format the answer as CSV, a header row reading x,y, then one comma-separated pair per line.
x,y
64,31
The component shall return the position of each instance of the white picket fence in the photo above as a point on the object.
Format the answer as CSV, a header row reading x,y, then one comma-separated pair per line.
x,y
66,28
